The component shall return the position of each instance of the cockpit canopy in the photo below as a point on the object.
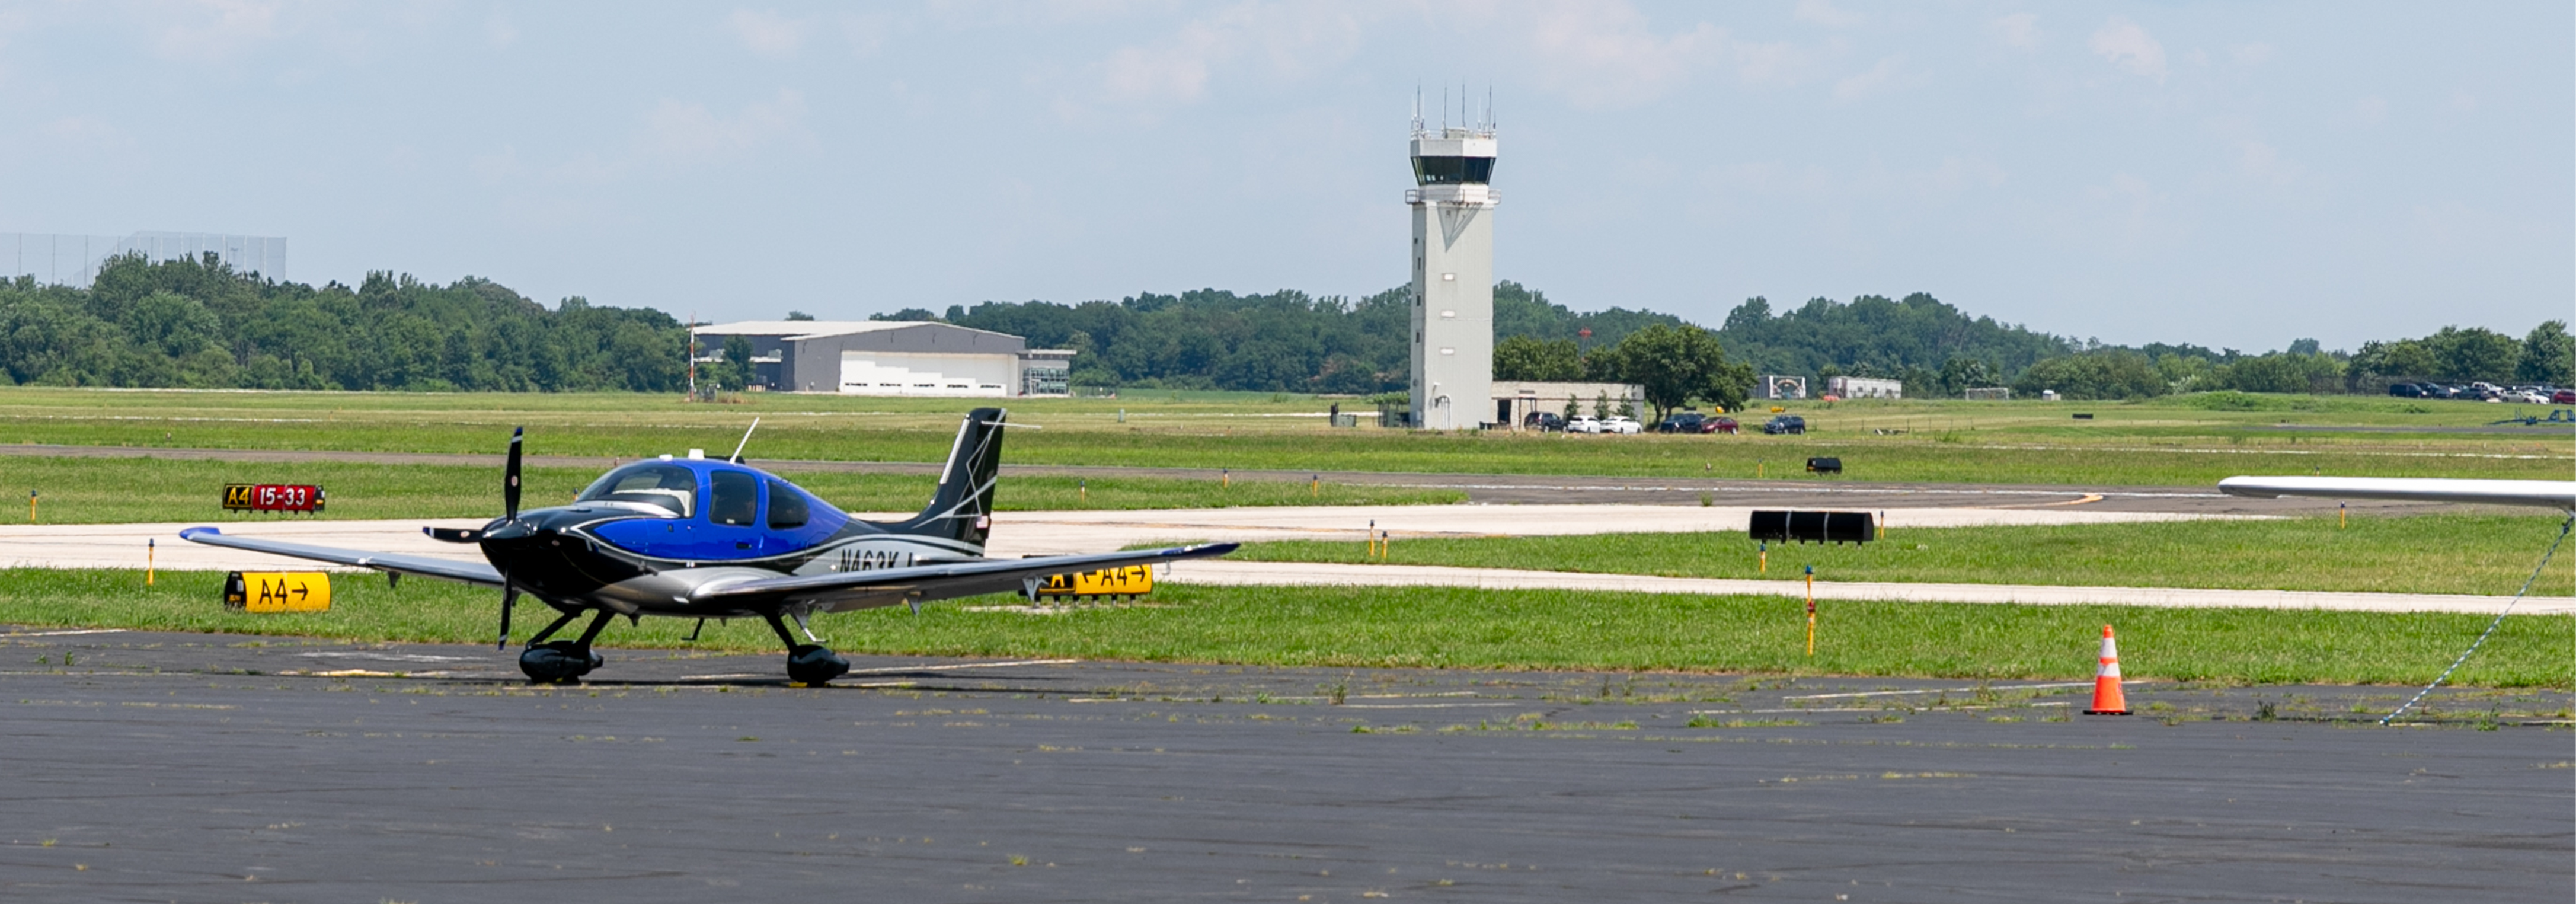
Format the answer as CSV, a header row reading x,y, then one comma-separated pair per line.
x,y
660,485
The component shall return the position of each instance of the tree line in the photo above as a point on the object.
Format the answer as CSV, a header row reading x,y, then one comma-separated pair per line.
x,y
201,324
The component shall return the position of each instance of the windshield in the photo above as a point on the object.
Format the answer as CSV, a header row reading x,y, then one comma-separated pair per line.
x,y
670,488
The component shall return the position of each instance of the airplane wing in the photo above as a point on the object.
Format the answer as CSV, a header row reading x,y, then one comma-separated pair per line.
x,y
425,566
2557,494
847,590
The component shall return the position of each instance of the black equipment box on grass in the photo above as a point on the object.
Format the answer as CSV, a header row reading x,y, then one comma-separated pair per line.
x,y
1812,527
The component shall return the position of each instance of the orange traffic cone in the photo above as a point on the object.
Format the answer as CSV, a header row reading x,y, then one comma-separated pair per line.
x,y
2107,699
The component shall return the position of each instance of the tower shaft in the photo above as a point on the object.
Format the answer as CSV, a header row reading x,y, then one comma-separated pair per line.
x,y
1453,278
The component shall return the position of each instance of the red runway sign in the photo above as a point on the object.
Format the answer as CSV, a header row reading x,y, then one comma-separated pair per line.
x,y
272,497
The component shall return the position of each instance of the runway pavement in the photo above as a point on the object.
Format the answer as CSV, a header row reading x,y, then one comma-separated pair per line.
x,y
157,767
1797,491
1030,533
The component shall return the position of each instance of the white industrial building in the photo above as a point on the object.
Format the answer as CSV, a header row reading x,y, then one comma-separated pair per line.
x,y
1864,388
1453,276
1516,400
889,358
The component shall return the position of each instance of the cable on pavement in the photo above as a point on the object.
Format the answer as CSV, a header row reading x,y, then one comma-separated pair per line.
x,y
2491,626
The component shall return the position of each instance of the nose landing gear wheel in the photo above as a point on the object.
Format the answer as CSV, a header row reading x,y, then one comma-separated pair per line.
x,y
560,662
813,665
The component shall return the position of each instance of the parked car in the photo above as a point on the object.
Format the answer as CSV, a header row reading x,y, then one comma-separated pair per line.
x,y
2406,390
1720,425
2563,397
1682,422
1785,423
1623,424
1583,423
1544,422
2527,397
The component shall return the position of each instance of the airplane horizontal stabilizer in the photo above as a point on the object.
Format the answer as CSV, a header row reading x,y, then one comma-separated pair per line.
x,y
2557,494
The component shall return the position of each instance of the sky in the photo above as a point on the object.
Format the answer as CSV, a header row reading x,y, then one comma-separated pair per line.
x,y
2228,174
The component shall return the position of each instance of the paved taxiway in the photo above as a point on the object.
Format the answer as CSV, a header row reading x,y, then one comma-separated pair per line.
x,y
1797,492
187,767
1022,533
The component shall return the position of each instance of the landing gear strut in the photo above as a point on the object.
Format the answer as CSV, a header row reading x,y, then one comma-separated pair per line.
x,y
808,663
562,661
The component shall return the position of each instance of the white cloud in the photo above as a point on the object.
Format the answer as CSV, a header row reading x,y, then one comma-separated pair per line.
x,y
679,135
1823,13
2263,161
866,33
1608,55
499,31
767,33
87,133
2255,54
1293,40
2019,30
216,29
2130,47
1876,80
683,133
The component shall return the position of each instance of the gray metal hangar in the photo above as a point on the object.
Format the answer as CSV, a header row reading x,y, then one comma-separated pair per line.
x,y
890,357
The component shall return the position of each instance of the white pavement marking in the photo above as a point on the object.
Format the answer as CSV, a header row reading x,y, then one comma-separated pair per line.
x,y
61,633
1232,573
959,665
1015,533
1955,690
1023,533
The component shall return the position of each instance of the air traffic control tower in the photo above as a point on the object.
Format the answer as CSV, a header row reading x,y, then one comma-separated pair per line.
x,y
1453,276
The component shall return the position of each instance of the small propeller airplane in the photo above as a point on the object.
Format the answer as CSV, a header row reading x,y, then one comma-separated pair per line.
x,y
699,538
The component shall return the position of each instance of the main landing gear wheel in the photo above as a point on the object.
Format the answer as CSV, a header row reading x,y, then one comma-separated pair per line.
x,y
563,661
814,665
560,662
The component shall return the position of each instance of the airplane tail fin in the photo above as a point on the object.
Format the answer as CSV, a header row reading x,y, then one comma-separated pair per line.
x,y
962,509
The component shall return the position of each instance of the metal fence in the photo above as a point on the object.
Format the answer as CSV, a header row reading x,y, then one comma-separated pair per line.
x,y
73,260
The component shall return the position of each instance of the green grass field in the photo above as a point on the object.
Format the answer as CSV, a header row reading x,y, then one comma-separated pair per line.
x,y
2192,440
2474,554
126,490
1443,627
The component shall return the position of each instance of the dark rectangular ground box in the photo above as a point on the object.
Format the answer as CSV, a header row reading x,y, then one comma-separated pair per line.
x,y
1812,527
1825,465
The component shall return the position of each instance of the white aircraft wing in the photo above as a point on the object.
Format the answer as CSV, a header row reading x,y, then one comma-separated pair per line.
x,y
2557,494
430,566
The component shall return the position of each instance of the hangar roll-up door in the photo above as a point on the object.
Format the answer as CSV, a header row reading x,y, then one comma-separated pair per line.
x,y
930,374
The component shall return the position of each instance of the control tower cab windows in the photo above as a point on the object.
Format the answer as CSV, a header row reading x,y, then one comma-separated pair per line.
x,y
1453,170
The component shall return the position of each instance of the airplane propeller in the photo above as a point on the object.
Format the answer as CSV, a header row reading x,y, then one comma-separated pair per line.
x,y
510,509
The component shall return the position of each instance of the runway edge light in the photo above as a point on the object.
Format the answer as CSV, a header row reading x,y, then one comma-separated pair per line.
x,y
2107,698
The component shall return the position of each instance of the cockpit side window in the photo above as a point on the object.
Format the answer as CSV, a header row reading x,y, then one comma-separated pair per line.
x,y
736,498
787,507
670,488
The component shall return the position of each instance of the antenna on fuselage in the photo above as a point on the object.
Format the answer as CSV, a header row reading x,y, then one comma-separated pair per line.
x,y
746,440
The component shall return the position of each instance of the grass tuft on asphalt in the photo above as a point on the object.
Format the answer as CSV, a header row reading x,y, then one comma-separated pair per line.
x,y
1446,628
